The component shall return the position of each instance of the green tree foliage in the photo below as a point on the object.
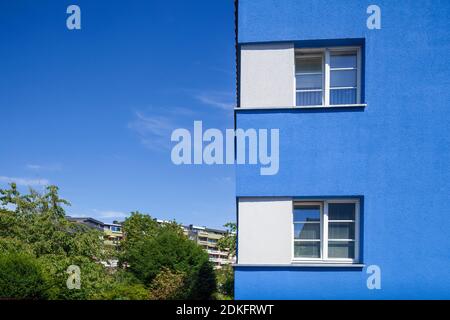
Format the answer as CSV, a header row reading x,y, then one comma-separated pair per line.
x,y
124,291
21,277
225,276
165,247
167,285
37,226
225,283
204,282
123,286
228,242
138,228
38,244
39,221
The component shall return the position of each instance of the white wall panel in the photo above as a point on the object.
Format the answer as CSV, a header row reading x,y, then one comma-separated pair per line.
x,y
265,231
267,75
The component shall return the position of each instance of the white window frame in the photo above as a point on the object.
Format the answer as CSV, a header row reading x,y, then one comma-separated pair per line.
x,y
324,232
325,53
322,73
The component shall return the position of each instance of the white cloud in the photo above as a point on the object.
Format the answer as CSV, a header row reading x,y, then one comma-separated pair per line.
x,y
38,167
223,180
228,179
109,214
154,132
25,181
33,167
221,100
78,215
156,125
101,215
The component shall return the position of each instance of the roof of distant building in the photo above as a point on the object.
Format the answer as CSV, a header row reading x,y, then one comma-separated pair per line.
x,y
85,219
188,227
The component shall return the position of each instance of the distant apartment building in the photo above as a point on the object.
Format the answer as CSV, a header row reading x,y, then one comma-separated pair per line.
x,y
112,232
205,237
208,238
89,222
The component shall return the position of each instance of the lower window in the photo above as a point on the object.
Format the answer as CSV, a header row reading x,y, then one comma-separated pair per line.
x,y
326,230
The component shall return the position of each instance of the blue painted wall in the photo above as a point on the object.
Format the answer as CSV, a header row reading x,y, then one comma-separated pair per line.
x,y
395,152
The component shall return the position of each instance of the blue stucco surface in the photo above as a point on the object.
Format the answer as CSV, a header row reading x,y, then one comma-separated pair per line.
x,y
395,152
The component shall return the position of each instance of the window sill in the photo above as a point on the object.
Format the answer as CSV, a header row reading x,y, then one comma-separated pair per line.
x,y
304,265
359,105
324,107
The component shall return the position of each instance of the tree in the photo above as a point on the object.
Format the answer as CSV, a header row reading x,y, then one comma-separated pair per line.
x,y
139,227
228,242
36,225
225,276
38,244
39,221
123,286
167,285
165,247
225,283
21,276
204,283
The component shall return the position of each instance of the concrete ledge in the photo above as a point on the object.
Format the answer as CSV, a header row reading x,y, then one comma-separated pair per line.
x,y
302,265
343,106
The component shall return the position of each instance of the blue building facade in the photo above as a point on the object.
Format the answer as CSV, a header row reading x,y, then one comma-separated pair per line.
x,y
360,205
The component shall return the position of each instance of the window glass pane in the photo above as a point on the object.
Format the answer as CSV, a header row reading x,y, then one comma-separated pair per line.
x,y
344,60
309,81
308,65
343,78
341,249
341,211
307,249
341,230
306,213
313,98
307,231
343,96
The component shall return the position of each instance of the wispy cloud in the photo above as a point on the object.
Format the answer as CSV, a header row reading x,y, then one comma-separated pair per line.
x,y
223,70
226,179
153,131
102,215
39,167
216,99
177,111
25,181
33,167
109,214
154,126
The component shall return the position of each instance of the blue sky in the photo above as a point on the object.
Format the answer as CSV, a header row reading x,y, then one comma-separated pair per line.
x,y
92,110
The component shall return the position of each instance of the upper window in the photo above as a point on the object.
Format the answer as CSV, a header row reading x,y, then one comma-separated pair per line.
x,y
115,228
328,77
326,230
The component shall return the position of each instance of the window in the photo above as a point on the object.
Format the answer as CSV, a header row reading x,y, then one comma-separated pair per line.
x,y
115,228
328,77
309,79
326,230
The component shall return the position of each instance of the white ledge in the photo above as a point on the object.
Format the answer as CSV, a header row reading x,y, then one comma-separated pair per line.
x,y
360,105
304,265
